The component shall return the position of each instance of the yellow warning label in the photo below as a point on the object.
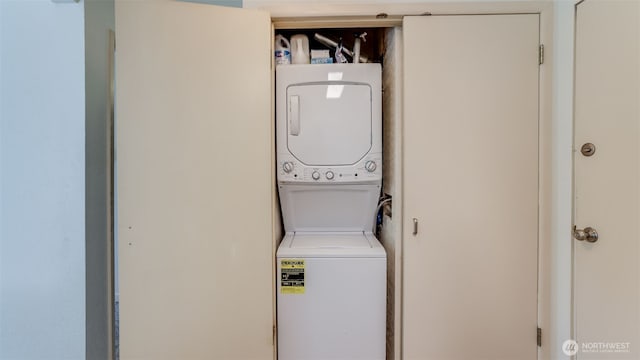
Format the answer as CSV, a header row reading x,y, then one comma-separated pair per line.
x,y
292,276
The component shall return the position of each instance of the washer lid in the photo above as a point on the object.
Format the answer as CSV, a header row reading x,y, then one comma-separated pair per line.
x,y
356,244
329,123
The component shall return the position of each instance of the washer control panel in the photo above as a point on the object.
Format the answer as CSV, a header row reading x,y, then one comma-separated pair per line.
x,y
367,169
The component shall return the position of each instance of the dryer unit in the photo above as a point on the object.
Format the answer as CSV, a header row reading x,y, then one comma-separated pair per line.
x,y
329,123
331,269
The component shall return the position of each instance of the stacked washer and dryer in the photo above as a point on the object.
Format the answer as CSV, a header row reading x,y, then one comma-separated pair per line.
x,y
331,286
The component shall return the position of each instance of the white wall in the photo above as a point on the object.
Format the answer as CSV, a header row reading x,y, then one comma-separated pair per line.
x,y
42,171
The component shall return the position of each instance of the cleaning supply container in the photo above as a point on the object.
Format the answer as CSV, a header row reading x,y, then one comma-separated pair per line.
x,y
300,49
282,50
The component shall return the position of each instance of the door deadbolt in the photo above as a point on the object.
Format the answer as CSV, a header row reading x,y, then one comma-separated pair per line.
x,y
588,149
589,234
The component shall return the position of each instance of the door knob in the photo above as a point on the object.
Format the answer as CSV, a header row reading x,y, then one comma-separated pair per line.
x,y
589,234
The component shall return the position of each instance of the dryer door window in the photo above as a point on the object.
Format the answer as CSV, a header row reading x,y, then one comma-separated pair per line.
x,y
329,123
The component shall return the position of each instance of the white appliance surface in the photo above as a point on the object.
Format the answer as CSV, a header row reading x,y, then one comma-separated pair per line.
x,y
329,123
341,312
333,130
331,244
328,207
331,269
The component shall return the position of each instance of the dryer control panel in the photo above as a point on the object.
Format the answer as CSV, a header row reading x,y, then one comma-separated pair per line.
x,y
291,170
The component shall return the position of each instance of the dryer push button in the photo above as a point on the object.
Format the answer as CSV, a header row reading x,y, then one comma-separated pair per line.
x,y
315,175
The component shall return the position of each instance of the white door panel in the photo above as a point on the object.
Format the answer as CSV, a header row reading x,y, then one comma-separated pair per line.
x,y
607,184
195,181
471,181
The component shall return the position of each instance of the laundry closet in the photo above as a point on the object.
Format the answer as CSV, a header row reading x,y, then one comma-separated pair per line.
x,y
331,268
202,184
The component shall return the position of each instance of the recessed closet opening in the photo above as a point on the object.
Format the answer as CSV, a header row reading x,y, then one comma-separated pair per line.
x,y
377,44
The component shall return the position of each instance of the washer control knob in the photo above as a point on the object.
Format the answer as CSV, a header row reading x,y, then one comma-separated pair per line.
x,y
315,175
329,175
370,166
287,166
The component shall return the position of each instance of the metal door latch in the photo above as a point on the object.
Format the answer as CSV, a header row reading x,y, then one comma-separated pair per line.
x,y
588,149
589,234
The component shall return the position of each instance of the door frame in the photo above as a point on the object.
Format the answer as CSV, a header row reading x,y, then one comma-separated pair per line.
x,y
111,200
551,314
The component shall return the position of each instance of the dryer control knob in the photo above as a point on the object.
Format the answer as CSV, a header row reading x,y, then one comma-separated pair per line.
x,y
370,166
315,175
329,175
287,166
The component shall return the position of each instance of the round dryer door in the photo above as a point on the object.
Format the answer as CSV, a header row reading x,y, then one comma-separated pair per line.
x,y
329,124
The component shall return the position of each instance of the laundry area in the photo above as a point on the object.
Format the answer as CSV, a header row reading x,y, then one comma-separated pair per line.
x,y
327,198
331,267
320,180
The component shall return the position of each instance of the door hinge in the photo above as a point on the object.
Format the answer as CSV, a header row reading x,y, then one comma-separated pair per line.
x,y
539,341
273,335
541,54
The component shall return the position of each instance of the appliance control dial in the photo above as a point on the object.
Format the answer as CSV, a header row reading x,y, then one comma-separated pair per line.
x,y
370,166
329,175
315,175
287,166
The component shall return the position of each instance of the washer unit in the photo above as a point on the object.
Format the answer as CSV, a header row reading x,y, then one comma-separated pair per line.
x,y
331,269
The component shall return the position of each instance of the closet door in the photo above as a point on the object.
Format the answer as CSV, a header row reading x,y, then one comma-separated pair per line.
x,y
195,182
470,187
